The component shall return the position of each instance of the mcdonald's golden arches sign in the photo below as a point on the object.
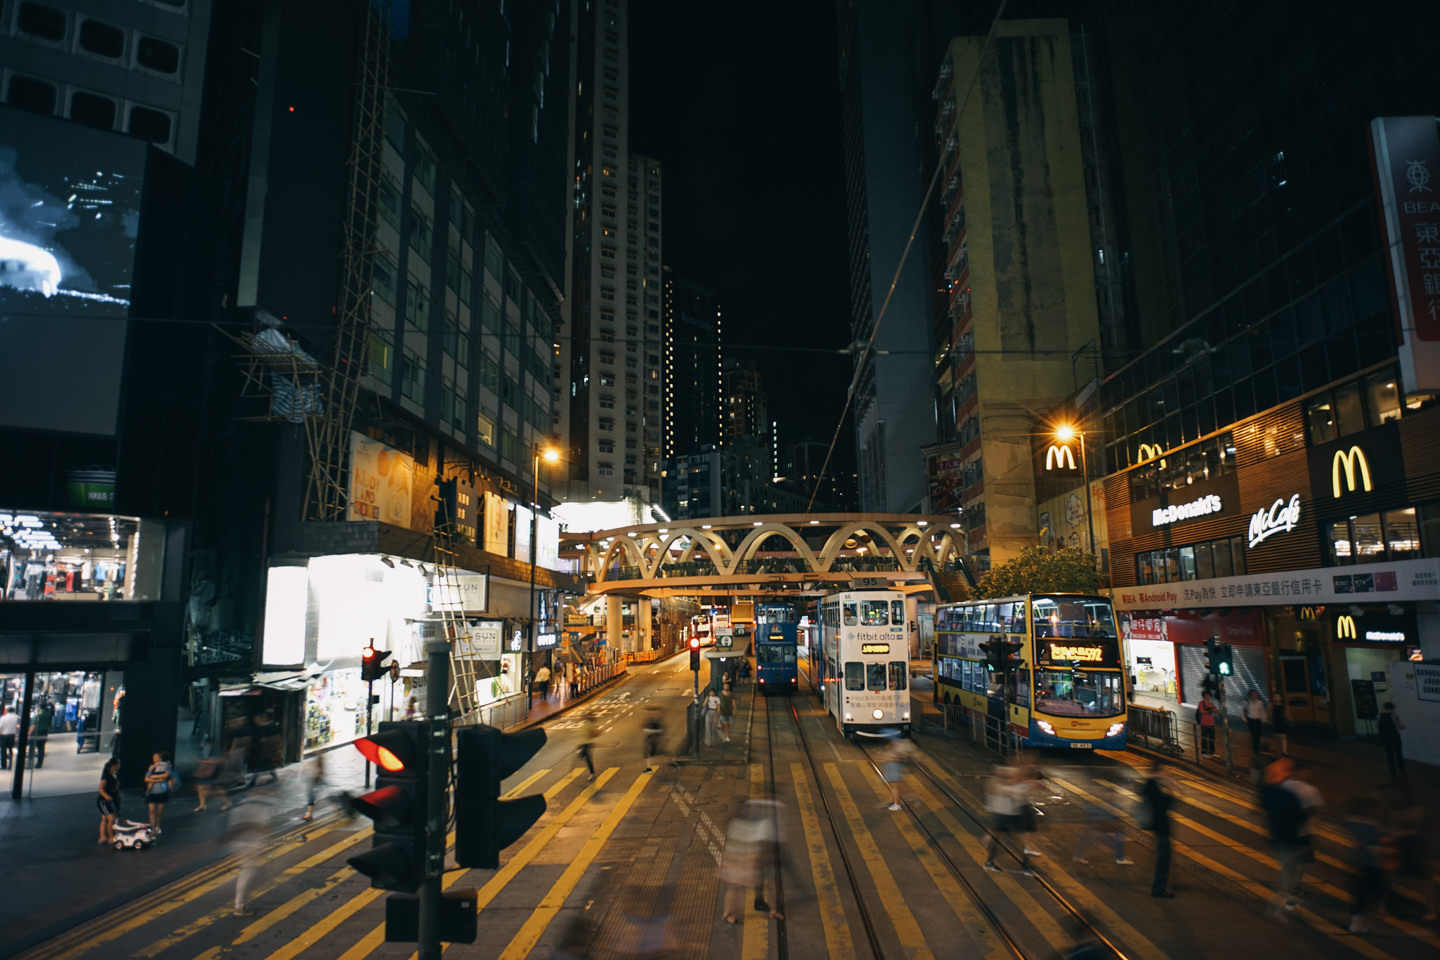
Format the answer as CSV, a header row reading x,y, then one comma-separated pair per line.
x,y
1353,467
1345,627
1059,456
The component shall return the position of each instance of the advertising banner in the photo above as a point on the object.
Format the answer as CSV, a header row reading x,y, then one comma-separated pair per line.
x,y
945,471
1399,582
497,525
523,517
381,478
549,543
1406,153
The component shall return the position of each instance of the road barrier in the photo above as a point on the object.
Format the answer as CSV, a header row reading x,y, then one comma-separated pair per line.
x,y
1157,727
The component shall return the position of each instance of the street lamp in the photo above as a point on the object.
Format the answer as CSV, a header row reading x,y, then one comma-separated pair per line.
x,y
549,455
1065,433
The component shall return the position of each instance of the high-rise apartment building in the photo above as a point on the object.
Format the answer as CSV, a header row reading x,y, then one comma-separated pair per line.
x,y
612,420
742,401
691,371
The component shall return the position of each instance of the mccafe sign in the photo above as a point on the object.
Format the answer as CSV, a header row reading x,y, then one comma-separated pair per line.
x,y
1281,517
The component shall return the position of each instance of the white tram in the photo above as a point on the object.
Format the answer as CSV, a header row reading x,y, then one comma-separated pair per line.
x,y
863,671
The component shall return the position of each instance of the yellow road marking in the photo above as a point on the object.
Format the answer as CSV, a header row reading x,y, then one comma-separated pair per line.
x,y
1039,916
318,931
335,849
755,941
971,918
367,944
1320,924
908,931
838,942
524,942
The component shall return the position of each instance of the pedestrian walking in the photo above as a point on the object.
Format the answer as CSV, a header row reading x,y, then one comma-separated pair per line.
x,y
742,867
542,682
1389,728
727,711
207,775
314,782
9,727
158,780
589,732
1031,786
40,726
1371,853
1004,799
1407,823
1311,801
653,729
1102,828
1255,716
1259,763
1279,724
108,800
1205,716
712,717
1156,800
893,758
1286,816
250,827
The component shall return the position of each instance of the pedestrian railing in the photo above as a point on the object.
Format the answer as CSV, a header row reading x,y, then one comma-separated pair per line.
x,y
1157,727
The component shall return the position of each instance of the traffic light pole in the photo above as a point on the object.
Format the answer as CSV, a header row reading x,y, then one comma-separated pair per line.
x,y
369,727
1225,721
437,745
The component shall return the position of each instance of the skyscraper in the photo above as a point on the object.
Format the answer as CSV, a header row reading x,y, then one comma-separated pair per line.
x,y
691,380
611,421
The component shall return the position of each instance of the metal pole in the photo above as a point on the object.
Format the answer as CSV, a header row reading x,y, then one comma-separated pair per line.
x,y
1089,507
437,729
530,645
22,740
1225,721
369,726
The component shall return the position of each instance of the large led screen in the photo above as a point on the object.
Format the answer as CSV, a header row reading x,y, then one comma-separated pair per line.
x,y
69,216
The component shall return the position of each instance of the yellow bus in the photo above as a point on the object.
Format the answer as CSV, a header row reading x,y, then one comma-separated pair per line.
x,y
1062,684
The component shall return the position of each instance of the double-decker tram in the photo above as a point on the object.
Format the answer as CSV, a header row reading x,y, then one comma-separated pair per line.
x,y
863,670
775,657
1048,664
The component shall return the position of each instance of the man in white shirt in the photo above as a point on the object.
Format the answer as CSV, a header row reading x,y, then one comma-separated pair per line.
x,y
9,727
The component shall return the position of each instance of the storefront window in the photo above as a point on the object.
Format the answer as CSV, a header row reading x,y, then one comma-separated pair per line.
x,y
72,556
1382,397
1187,563
77,716
1223,567
1237,555
1430,529
1349,409
1320,418
1204,561
1365,534
335,709
1402,534
1337,543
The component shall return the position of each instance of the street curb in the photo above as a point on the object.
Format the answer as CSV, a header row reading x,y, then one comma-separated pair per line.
x,y
589,695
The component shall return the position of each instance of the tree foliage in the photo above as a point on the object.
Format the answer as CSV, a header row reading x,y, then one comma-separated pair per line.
x,y
1037,570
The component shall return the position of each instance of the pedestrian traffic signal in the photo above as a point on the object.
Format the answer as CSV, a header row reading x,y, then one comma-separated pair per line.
x,y
396,859
695,654
485,824
372,662
1224,660
1210,657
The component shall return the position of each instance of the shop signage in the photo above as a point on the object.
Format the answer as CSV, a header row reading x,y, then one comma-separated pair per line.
x,y
1427,681
874,648
1148,451
463,592
1345,628
1142,628
544,640
1354,466
1280,518
1400,582
485,639
1366,705
1373,628
1406,155
1163,516
1059,456
381,478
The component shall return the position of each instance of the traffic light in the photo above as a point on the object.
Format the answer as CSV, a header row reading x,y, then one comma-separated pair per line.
x,y
1224,661
372,662
1000,652
485,824
447,507
1210,645
695,654
396,859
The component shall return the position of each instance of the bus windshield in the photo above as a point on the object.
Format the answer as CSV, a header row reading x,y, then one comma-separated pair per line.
x,y
1078,693
1083,617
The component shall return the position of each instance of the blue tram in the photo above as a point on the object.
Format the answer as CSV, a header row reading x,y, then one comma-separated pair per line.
x,y
775,661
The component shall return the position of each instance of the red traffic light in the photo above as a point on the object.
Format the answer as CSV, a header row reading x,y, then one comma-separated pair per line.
x,y
694,643
389,750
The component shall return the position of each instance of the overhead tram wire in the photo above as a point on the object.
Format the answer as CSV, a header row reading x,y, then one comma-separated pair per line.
x,y
904,255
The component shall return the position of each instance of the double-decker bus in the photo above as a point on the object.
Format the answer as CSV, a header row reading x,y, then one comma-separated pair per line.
x,y
1062,685
863,670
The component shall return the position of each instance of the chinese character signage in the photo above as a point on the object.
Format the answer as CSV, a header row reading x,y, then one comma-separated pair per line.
x,y
380,481
1407,173
1399,582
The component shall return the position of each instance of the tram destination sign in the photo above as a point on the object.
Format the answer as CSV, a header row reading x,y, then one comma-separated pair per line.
x,y
874,648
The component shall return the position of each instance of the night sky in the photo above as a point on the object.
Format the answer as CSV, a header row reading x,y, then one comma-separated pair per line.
x,y
741,104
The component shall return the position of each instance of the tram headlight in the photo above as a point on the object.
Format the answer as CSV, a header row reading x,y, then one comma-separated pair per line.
x,y
1115,729
1046,726
849,717
878,714
907,715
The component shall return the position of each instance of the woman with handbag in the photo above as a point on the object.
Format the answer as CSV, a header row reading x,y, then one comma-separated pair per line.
x,y
158,780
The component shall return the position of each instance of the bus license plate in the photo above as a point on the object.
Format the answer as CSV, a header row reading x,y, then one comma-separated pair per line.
x,y
1077,745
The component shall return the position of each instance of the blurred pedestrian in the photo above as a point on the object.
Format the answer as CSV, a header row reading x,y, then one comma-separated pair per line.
x,y
314,782
1004,799
589,732
542,682
40,725
1156,800
250,828
1261,760
897,753
653,729
207,773
1371,853
1286,816
1310,802
1408,825
158,779
712,717
727,711
1205,716
1102,828
1279,724
1030,786
1389,728
9,727
108,800
1255,716
748,839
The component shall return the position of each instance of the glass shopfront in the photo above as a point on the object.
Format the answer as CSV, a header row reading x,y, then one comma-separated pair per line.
x,y
78,716
75,556
335,709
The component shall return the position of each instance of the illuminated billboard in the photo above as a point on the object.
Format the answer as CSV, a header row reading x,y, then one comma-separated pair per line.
x,y
69,216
